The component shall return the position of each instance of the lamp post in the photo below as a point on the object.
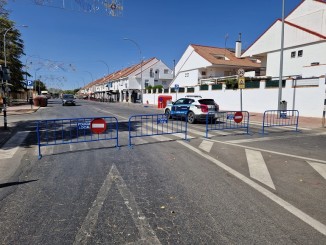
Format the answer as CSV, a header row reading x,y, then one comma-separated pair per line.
x,y
5,125
141,67
281,61
102,61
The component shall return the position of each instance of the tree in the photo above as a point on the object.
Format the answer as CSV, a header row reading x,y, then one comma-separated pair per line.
x,y
39,86
14,49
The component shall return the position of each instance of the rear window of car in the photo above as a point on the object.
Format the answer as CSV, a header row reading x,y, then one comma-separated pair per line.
x,y
207,101
68,96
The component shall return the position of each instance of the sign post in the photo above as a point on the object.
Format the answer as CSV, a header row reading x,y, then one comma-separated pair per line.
x,y
241,83
176,88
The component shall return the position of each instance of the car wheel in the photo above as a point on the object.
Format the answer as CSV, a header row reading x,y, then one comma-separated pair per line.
x,y
168,113
191,117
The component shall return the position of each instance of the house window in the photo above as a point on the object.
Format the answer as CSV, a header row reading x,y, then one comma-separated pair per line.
x,y
166,71
155,81
300,53
293,54
203,73
151,73
146,83
187,74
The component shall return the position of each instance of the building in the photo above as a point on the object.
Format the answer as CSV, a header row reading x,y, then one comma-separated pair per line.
x,y
304,43
125,85
204,64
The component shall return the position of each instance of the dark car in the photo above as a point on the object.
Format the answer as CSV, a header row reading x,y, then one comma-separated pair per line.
x,y
68,99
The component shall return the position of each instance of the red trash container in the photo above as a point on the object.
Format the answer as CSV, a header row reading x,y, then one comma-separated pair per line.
x,y
163,100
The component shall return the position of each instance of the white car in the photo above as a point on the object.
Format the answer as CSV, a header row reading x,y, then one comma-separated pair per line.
x,y
195,108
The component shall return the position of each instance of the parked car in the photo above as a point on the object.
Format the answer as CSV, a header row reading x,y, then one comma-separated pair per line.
x,y
196,108
68,99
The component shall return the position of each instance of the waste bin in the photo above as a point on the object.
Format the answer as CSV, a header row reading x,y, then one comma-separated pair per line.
x,y
283,105
163,100
36,101
43,101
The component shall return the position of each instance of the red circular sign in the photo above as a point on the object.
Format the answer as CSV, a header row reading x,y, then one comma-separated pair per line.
x,y
98,125
238,117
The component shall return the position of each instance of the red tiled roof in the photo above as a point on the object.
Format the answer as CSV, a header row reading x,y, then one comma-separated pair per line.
x,y
212,54
118,74
304,29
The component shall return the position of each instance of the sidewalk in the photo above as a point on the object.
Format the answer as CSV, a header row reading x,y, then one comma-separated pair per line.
x,y
11,111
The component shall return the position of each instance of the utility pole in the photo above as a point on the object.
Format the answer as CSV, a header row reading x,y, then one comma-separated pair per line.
x,y
281,61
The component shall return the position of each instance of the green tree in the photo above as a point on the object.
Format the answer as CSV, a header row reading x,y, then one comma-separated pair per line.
x,y
14,49
39,86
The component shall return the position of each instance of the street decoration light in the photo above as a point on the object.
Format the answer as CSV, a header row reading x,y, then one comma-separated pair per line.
x,y
141,67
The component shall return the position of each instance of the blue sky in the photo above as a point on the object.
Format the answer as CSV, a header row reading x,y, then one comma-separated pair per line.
x,y
69,48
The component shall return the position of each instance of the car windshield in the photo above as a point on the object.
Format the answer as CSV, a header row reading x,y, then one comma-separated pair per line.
x,y
68,96
207,101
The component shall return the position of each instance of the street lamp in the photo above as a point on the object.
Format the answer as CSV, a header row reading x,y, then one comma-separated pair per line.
x,y
5,58
4,40
141,68
102,61
281,61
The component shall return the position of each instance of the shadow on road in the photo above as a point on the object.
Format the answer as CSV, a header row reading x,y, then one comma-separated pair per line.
x,y
16,183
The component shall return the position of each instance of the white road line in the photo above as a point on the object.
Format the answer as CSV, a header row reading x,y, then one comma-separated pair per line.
x,y
287,206
273,152
182,136
258,169
139,141
48,150
78,146
273,138
206,145
161,138
145,231
261,125
12,145
319,167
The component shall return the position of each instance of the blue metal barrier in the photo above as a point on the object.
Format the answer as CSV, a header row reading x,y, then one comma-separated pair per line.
x,y
280,118
227,120
74,130
156,124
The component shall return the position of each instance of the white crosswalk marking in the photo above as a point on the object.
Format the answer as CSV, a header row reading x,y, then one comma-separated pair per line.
x,y
258,169
206,145
319,167
12,145
161,138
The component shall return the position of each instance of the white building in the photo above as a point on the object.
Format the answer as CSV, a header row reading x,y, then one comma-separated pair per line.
x,y
125,85
304,43
304,67
204,64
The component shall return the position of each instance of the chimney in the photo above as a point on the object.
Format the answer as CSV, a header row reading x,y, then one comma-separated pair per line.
x,y
238,47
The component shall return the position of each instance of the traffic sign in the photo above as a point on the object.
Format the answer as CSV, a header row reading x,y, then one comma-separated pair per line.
x,y
241,82
29,84
98,125
241,72
238,117
176,87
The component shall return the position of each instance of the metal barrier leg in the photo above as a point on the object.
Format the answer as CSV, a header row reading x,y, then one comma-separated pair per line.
x,y
38,141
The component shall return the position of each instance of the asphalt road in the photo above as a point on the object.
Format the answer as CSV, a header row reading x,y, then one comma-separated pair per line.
x,y
231,188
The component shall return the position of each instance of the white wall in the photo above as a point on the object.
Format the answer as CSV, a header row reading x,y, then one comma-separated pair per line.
x,y
295,66
311,15
308,100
